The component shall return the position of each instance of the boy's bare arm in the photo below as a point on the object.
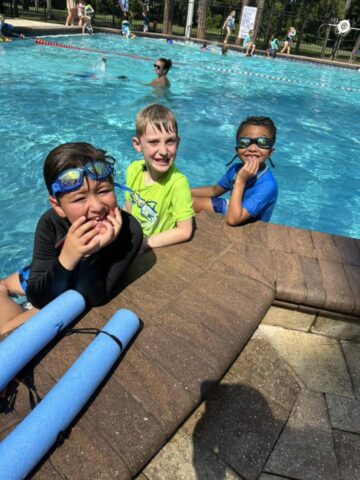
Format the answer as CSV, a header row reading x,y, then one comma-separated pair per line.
x,y
212,191
236,214
181,233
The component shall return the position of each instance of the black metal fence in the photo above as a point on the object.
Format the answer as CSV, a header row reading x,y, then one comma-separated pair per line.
x,y
313,39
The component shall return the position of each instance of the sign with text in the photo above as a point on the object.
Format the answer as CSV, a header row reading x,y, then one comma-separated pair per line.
x,y
247,21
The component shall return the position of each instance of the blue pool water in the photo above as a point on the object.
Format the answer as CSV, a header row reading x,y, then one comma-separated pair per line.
x,y
44,103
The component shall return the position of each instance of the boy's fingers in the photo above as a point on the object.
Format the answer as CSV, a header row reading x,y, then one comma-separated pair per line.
x,y
85,227
79,221
92,246
88,236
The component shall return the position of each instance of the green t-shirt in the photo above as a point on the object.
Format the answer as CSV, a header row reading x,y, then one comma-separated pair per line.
x,y
158,207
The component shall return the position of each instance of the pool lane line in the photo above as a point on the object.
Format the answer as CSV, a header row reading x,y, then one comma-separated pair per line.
x,y
39,41
282,79
46,43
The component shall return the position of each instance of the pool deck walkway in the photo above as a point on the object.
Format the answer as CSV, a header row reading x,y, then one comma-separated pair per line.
x,y
33,28
287,407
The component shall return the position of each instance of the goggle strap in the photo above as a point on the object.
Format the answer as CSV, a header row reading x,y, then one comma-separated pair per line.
x,y
231,161
123,187
271,162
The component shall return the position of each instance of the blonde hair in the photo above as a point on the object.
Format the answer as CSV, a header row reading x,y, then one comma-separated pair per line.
x,y
158,116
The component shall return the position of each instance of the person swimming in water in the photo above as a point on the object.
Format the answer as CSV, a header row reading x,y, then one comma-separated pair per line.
x,y
161,67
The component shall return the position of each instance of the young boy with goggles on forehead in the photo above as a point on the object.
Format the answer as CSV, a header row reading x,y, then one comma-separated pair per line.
x,y
253,188
84,242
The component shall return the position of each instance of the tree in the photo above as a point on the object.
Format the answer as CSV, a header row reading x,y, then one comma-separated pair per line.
x,y
168,17
260,8
201,15
305,10
269,24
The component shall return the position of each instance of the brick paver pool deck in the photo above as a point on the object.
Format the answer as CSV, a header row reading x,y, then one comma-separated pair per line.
x,y
289,405
250,343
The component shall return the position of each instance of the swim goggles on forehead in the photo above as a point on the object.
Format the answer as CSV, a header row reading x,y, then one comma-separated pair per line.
x,y
72,178
261,142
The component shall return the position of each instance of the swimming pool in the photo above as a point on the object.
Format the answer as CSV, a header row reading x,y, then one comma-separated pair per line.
x,y
44,103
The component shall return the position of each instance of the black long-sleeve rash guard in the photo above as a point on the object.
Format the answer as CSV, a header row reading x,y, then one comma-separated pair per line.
x,y
96,277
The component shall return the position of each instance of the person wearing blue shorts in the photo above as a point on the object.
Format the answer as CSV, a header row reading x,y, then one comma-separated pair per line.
x,y
253,187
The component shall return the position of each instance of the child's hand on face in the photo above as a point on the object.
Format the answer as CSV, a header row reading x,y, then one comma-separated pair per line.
x,y
111,231
84,238
248,170
81,240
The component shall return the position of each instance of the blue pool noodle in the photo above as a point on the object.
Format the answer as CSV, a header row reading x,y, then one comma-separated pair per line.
x,y
26,445
23,344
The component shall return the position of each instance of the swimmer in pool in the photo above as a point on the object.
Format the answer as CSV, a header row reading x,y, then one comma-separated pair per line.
x,y
161,67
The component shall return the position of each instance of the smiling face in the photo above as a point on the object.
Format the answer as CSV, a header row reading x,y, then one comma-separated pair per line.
x,y
253,151
159,149
95,200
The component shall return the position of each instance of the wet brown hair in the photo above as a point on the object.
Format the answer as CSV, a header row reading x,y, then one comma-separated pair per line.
x,y
71,155
166,62
158,116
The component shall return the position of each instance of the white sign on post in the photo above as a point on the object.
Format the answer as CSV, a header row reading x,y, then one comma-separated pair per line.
x,y
247,21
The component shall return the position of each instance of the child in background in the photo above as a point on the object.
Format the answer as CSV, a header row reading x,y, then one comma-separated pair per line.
x,y
80,12
158,194
84,242
229,26
204,47
3,38
288,40
273,47
253,188
87,18
146,17
126,27
249,44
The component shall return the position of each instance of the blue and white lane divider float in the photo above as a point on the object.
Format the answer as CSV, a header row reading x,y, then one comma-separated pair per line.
x,y
23,344
26,445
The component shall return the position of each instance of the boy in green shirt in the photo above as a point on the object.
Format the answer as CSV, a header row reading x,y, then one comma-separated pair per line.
x,y
158,194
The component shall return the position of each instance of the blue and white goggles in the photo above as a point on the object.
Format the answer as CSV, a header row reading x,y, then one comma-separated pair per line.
x,y
72,178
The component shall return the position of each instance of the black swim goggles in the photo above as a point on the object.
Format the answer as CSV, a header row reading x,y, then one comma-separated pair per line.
x,y
261,142
72,178
245,142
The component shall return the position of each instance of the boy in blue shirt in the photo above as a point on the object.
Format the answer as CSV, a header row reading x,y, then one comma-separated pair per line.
x,y
253,188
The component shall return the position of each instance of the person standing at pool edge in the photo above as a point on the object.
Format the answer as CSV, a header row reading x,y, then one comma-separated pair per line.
x,y
87,18
158,194
84,242
229,26
161,67
288,40
253,188
72,11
